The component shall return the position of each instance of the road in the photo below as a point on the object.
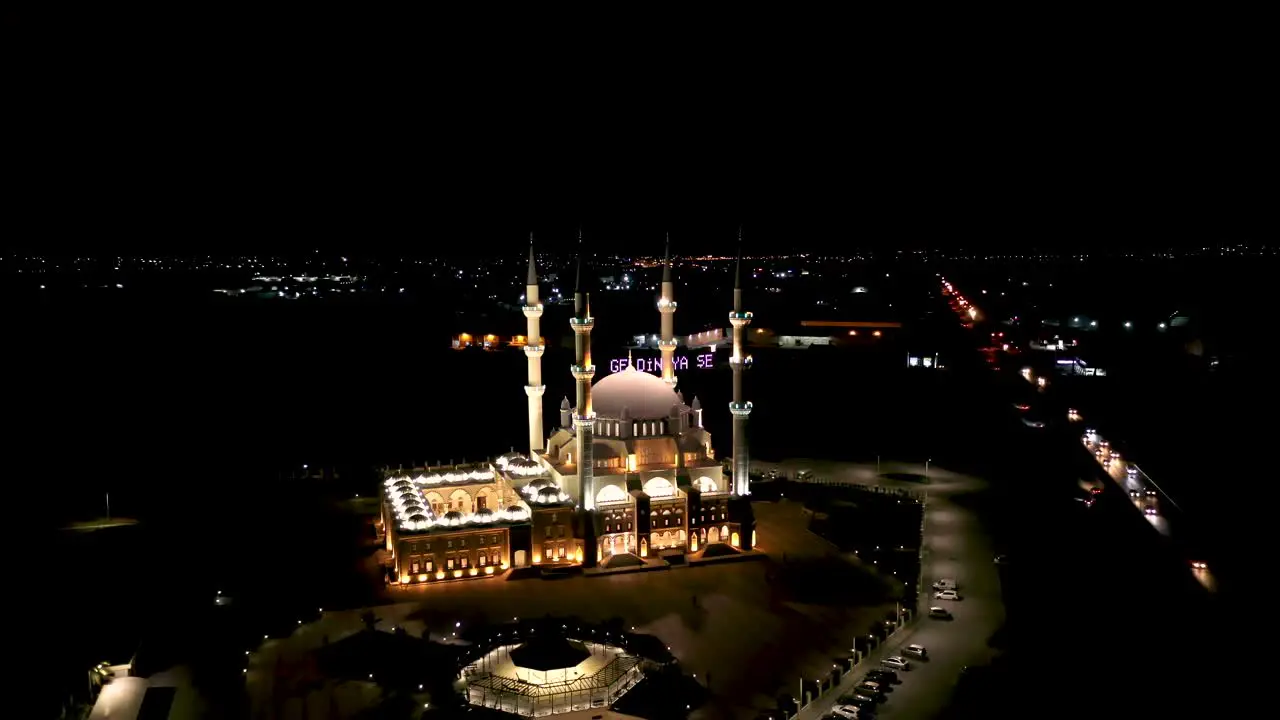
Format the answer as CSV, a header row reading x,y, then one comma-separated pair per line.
x,y
956,547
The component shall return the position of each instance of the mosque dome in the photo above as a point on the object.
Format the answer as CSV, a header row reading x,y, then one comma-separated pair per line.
x,y
549,494
645,396
402,483
417,518
453,517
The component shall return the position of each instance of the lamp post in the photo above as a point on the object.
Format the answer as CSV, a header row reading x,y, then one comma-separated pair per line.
x,y
926,469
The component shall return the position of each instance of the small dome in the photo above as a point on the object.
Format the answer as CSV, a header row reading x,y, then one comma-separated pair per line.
x,y
484,512
403,483
697,404
549,494
453,517
564,404
539,483
418,518
414,509
409,496
515,510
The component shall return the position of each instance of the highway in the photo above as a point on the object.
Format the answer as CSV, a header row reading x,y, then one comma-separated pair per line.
x,y
956,547
1157,507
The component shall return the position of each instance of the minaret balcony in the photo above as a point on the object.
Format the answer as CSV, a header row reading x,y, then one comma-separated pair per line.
x,y
534,351
668,344
666,306
583,372
534,390
740,319
735,362
587,421
582,325
740,409
533,311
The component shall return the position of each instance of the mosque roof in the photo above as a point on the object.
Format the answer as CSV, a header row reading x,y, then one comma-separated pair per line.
x,y
645,396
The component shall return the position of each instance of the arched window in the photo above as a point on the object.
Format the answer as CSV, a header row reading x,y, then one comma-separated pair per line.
x,y
459,500
706,484
724,532
610,493
659,487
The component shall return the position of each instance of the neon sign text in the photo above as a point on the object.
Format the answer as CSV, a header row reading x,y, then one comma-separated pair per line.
x,y
705,361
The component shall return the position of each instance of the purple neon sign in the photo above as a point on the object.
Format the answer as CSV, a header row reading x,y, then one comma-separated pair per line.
x,y
705,361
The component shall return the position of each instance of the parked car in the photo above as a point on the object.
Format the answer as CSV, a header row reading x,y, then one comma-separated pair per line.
x,y
861,702
945,584
870,689
916,651
939,613
947,595
845,712
897,662
888,678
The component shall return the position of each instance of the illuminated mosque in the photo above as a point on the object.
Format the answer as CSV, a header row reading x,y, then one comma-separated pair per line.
x,y
628,477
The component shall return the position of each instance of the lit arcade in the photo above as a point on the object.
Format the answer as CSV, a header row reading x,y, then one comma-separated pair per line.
x,y
628,477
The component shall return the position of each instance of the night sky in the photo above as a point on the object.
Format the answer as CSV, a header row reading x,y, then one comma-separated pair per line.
x,y
184,134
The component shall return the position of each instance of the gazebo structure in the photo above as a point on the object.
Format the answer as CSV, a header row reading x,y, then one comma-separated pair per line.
x,y
550,675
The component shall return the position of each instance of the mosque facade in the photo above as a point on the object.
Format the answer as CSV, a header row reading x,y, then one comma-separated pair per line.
x,y
628,477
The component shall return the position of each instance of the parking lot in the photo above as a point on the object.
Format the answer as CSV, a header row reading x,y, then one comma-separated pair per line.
x,y
956,547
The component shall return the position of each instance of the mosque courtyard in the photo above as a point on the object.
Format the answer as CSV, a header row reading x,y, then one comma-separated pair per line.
x,y
745,634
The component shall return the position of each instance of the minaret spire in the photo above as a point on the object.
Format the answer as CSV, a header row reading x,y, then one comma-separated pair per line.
x,y
533,349
532,278
666,261
667,309
577,277
737,268
740,408
584,418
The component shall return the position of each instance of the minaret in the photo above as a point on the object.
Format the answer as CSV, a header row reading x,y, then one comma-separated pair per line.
x,y
740,320
583,419
533,350
667,306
